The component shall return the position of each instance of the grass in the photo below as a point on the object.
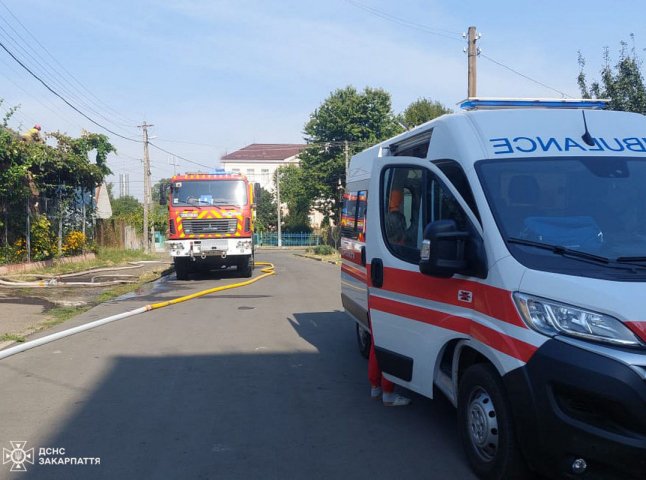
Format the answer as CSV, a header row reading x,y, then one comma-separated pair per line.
x,y
59,315
105,257
323,252
11,337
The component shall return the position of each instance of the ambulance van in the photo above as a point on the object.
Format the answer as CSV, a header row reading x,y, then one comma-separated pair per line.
x,y
498,256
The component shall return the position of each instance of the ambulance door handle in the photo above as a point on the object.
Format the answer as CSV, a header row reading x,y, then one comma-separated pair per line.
x,y
363,256
377,272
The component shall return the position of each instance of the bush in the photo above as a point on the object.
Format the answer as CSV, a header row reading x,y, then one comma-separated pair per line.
x,y
323,250
42,241
74,243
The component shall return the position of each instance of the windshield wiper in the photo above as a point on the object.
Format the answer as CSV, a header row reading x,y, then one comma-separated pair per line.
x,y
630,260
561,250
620,262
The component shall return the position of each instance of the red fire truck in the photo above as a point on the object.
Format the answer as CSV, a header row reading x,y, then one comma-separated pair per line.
x,y
211,219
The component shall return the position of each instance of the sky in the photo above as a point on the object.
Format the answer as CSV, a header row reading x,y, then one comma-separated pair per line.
x,y
213,76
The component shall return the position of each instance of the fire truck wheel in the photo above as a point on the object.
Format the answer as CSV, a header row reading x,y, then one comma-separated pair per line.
x,y
246,266
364,339
485,425
181,268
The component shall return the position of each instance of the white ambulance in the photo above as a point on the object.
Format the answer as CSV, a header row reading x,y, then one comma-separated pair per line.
x,y
502,262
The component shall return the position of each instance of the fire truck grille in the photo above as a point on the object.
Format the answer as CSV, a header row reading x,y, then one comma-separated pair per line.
x,y
211,225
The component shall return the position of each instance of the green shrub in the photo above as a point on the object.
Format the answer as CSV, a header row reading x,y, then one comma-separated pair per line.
x,y
323,250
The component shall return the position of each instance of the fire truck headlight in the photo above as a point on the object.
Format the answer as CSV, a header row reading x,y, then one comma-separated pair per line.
x,y
552,318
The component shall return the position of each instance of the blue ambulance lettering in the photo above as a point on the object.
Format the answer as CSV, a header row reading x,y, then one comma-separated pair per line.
x,y
528,144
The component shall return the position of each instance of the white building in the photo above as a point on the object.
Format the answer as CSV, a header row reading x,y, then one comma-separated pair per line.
x,y
259,161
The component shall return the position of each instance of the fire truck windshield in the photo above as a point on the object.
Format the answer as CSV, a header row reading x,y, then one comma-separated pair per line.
x,y
209,192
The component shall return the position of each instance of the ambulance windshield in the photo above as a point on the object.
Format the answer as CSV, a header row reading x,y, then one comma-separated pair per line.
x,y
209,192
595,205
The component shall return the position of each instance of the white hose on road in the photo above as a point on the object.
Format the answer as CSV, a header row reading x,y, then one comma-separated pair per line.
x,y
70,331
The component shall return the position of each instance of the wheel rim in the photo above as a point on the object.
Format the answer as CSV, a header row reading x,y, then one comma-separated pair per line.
x,y
482,424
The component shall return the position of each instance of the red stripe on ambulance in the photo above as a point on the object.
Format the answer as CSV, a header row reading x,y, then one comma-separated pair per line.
x,y
496,340
485,299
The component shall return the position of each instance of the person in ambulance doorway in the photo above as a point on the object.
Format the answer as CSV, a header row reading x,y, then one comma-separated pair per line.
x,y
395,220
380,387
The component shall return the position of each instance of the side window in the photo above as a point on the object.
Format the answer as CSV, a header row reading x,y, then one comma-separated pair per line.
x,y
401,210
454,172
353,215
442,205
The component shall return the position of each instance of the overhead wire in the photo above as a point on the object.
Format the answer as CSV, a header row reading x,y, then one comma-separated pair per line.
x,y
563,94
73,107
45,70
402,21
433,31
51,108
74,79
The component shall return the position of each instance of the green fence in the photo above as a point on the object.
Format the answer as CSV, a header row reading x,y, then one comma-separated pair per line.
x,y
288,239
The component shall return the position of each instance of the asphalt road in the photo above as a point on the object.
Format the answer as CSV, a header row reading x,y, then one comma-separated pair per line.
x,y
262,382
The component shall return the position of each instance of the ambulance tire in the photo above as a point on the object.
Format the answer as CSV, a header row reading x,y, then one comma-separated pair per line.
x,y
485,426
364,340
182,267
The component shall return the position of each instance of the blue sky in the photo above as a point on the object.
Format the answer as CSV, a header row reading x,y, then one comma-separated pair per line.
x,y
216,75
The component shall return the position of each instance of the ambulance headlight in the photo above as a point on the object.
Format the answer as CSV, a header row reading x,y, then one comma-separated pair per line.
x,y
553,318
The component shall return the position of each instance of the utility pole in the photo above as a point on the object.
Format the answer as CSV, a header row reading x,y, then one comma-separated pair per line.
x,y
472,54
147,186
280,240
172,161
347,159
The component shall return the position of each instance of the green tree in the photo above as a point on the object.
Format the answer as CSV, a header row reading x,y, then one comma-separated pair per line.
x,y
294,192
266,211
359,118
129,210
421,111
63,172
622,83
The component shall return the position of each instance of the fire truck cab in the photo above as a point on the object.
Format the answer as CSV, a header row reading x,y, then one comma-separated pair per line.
x,y
498,255
211,218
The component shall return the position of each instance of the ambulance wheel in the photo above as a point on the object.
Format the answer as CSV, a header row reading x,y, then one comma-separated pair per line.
x,y
181,268
486,427
364,339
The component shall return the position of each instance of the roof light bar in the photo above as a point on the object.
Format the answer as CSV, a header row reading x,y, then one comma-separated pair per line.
x,y
475,103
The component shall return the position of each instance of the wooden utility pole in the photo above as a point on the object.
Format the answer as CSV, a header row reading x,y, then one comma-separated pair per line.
x,y
147,186
346,152
472,53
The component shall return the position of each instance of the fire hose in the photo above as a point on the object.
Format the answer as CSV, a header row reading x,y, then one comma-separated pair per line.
x,y
265,272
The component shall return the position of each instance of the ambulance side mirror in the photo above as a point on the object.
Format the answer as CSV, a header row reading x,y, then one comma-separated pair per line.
x,y
443,249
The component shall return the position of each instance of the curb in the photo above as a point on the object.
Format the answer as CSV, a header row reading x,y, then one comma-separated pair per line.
x,y
332,262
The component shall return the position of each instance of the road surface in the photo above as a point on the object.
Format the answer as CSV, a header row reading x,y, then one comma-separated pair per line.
x,y
262,382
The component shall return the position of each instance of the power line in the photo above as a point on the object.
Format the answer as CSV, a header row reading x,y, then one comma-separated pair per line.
x,y
451,35
33,37
408,23
38,100
3,46
179,156
46,70
563,94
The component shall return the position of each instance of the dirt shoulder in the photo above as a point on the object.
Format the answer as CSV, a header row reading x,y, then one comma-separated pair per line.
x,y
26,310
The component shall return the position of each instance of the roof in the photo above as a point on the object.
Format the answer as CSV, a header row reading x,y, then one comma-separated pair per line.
x,y
266,151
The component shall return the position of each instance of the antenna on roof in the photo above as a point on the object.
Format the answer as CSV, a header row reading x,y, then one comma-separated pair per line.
x,y
586,137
